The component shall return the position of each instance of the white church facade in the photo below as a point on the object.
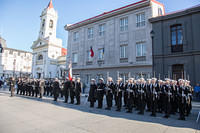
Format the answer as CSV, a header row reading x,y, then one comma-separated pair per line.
x,y
47,49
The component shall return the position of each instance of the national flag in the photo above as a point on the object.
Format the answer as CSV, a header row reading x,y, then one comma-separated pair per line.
x,y
70,71
91,52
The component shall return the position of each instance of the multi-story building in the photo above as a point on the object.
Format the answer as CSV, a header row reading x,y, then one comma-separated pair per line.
x,y
120,40
14,62
176,48
47,48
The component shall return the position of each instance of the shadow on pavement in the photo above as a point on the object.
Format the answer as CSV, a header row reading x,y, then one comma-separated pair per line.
x,y
84,107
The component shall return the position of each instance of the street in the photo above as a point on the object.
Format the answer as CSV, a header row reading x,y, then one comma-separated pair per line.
x,y
21,114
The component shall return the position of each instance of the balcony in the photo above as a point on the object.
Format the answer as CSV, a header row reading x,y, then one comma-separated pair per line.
x,y
176,48
123,60
39,62
141,58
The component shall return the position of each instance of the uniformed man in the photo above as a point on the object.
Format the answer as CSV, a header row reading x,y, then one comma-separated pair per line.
x,y
168,98
160,96
67,86
130,94
141,96
154,96
182,99
41,89
92,93
78,88
119,87
148,95
72,90
56,89
100,92
109,93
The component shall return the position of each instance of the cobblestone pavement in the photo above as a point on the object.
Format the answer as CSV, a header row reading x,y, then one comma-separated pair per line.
x,y
21,114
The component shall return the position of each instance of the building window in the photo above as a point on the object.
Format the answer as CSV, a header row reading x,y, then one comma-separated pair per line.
x,y
140,50
140,20
90,33
101,30
51,24
123,51
43,23
101,54
89,58
75,58
40,57
160,13
11,52
76,36
124,24
176,38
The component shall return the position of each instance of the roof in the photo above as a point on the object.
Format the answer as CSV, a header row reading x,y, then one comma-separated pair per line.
x,y
178,13
63,51
50,5
22,51
110,13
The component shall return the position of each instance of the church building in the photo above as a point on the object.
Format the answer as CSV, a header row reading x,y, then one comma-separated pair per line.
x,y
47,49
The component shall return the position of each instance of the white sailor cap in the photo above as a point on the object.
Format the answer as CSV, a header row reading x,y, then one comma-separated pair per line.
x,y
101,79
131,79
167,79
160,81
120,79
93,80
142,79
148,79
180,80
154,79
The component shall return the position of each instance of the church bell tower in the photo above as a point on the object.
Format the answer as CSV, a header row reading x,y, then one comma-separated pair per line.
x,y
48,23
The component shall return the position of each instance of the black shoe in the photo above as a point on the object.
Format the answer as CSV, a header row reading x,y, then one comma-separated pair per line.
x,y
77,103
99,107
128,111
140,113
154,115
107,108
118,110
166,116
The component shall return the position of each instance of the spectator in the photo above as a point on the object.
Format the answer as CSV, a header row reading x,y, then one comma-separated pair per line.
x,y
197,92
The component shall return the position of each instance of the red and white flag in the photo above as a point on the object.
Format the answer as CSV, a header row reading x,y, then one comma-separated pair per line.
x,y
70,71
91,52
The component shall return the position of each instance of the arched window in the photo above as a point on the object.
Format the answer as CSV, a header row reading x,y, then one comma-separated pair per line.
x,y
43,23
40,57
51,24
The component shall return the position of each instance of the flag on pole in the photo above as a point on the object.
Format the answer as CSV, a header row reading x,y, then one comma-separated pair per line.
x,y
70,71
91,52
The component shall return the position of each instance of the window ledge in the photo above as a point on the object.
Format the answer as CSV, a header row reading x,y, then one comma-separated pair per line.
x,y
141,58
123,60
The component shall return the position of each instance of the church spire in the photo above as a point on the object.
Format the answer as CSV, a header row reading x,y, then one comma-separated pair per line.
x,y
50,4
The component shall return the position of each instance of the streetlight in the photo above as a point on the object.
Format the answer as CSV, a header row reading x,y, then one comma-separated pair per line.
x,y
152,33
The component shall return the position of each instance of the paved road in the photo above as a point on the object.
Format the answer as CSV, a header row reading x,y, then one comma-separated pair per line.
x,y
30,115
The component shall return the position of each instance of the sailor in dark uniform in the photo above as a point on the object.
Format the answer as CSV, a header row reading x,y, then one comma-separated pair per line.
x,y
130,94
109,93
119,87
92,93
142,96
168,98
78,88
67,86
72,90
100,92
154,96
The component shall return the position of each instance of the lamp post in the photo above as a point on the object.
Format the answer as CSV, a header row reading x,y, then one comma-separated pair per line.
x,y
152,33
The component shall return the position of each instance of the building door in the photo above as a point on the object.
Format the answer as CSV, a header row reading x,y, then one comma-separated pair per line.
x,y
178,71
38,75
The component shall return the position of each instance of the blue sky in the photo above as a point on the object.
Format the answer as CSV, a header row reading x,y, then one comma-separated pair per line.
x,y
20,21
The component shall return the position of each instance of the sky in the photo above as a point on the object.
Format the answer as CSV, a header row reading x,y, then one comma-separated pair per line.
x,y
20,19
